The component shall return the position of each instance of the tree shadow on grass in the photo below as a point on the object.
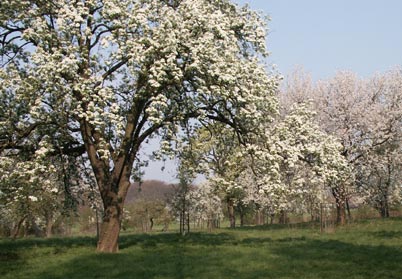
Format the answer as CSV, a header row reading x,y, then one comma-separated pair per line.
x,y
387,234
265,240
268,227
337,259
147,240
173,257
26,243
14,254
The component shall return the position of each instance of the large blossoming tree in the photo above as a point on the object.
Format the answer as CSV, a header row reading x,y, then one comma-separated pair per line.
x,y
103,76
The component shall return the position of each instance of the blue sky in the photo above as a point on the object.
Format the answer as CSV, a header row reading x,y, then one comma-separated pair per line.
x,y
325,36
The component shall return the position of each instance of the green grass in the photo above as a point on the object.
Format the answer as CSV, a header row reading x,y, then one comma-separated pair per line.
x,y
368,249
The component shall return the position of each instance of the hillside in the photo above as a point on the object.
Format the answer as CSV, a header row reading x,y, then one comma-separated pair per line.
x,y
149,190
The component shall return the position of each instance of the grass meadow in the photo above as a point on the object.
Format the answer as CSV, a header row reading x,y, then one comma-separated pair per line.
x,y
367,249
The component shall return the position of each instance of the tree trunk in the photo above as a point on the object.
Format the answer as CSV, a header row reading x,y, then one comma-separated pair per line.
x,y
113,182
97,223
340,211
151,223
384,207
348,210
283,217
49,223
188,222
181,226
231,213
49,226
259,218
112,218
339,196
384,201
17,228
242,214
110,229
32,227
241,219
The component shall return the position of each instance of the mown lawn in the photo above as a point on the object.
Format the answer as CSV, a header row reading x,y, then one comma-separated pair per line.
x,y
368,249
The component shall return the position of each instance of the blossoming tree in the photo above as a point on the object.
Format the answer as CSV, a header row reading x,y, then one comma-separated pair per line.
x,y
365,115
296,163
111,74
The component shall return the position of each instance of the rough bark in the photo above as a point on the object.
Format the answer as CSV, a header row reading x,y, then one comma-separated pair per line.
x,y
113,214
110,229
113,183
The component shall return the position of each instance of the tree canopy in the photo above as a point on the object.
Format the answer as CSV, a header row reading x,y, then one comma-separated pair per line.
x,y
100,77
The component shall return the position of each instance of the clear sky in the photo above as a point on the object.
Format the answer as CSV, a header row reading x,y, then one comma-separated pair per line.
x,y
325,36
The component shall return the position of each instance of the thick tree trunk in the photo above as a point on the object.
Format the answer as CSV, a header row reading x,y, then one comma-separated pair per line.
x,y
113,181
231,213
112,217
110,229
